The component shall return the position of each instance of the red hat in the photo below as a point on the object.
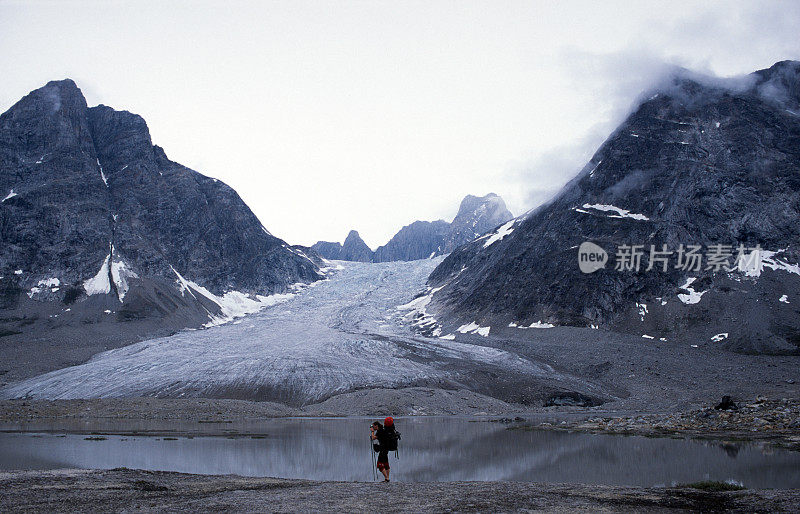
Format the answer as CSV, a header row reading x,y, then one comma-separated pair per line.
x,y
388,421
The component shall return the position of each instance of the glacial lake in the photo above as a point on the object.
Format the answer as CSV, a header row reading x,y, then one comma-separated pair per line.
x,y
432,449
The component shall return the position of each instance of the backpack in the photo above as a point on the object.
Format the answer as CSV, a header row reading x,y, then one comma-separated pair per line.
x,y
390,441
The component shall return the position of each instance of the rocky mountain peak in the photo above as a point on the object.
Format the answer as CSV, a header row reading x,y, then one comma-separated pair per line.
x,y
471,203
61,95
780,83
95,217
702,161
476,216
355,249
426,239
353,237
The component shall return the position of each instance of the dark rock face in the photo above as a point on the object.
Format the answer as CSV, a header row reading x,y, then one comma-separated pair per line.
x,y
353,249
700,162
96,217
310,254
420,240
328,250
426,239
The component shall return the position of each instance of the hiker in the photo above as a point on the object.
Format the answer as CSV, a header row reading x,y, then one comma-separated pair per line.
x,y
387,437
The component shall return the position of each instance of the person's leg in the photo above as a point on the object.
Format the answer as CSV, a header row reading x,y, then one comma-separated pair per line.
x,y
383,464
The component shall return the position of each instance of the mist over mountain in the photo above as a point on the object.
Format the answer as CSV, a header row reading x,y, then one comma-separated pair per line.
x,y
701,162
97,224
426,239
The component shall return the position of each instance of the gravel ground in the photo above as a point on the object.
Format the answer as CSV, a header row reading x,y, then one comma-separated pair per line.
x,y
373,402
137,491
648,376
144,409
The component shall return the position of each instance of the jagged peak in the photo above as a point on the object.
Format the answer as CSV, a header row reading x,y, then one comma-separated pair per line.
x,y
114,121
62,92
781,66
65,86
470,204
353,239
781,82
57,94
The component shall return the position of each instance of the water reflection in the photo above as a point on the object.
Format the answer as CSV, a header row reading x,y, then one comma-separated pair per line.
x,y
432,449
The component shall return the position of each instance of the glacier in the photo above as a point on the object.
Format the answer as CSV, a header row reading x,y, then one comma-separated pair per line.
x,y
342,334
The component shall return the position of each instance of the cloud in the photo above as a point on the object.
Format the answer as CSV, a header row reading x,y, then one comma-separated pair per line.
x,y
370,116
542,175
718,45
608,87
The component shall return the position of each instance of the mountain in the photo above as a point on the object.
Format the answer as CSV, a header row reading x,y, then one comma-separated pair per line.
x,y
97,224
476,216
419,240
353,249
328,249
426,239
701,161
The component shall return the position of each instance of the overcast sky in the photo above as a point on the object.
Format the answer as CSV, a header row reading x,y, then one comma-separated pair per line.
x,y
327,116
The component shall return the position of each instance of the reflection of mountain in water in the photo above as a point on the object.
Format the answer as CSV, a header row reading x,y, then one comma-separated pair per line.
x,y
432,449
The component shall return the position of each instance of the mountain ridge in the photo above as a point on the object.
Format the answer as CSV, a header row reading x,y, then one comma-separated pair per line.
x,y
101,220
696,163
427,239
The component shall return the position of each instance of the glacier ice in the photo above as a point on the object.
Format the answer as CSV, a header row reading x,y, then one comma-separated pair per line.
x,y
341,335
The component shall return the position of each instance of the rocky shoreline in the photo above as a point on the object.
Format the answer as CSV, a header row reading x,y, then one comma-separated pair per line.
x,y
412,401
774,421
129,490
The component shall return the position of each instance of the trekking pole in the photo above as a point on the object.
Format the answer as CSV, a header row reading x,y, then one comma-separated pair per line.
x,y
372,461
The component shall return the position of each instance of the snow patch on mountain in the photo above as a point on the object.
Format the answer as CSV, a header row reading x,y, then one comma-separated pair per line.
x,y
233,304
120,274
418,316
500,233
100,283
692,296
752,263
535,324
48,283
114,271
642,310
619,213
102,175
474,328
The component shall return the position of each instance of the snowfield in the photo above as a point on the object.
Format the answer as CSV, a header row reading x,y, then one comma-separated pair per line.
x,y
617,212
342,334
500,233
